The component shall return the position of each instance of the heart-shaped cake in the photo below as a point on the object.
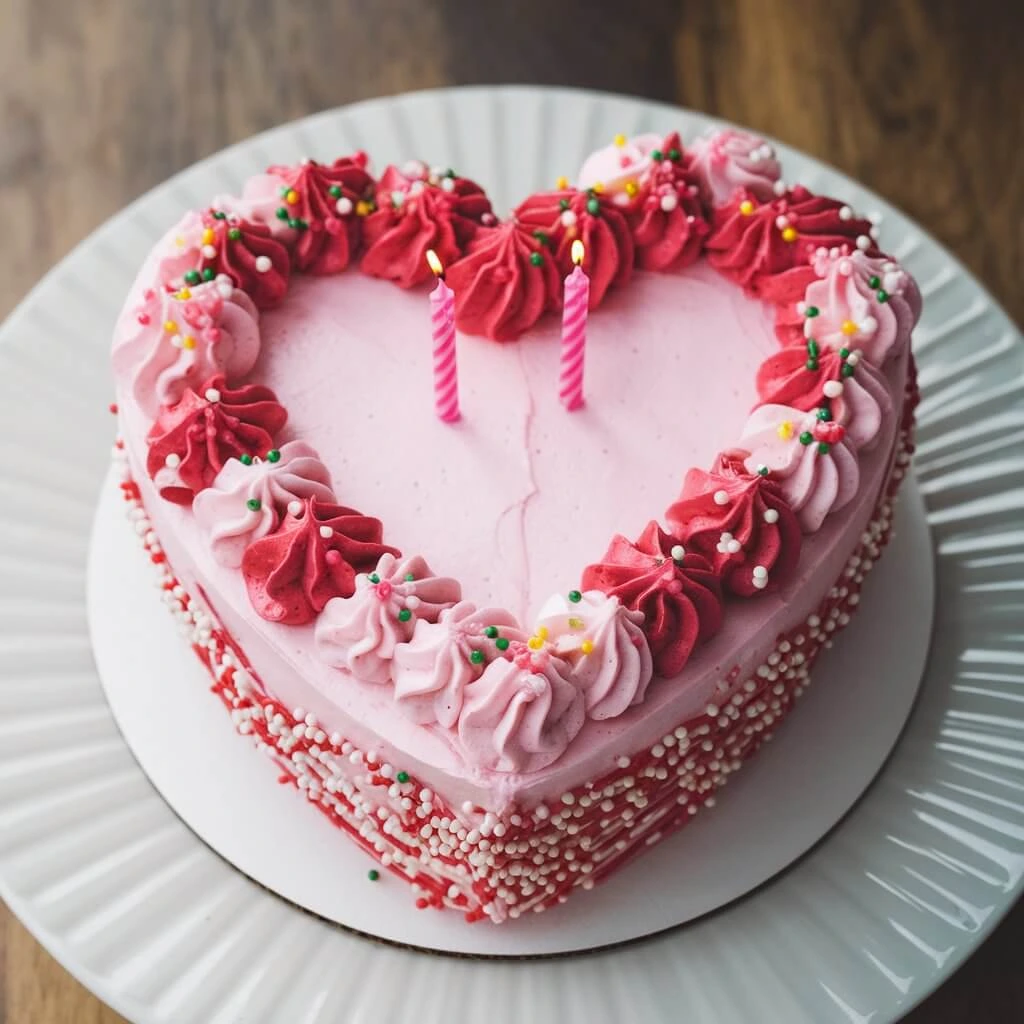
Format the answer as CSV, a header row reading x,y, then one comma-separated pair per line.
x,y
621,461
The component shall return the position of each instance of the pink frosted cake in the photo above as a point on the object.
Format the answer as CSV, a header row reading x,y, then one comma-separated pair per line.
x,y
610,512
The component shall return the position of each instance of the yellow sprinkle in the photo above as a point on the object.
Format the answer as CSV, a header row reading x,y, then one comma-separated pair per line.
x,y
789,234
785,430
184,293
849,327
170,327
542,632
561,182
535,643
632,188
208,236
587,646
746,207
179,241
291,196
188,342
598,187
362,208
620,139
575,623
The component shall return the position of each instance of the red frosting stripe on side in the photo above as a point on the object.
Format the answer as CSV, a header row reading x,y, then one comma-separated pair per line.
x,y
190,442
321,203
557,219
737,521
681,600
311,557
504,283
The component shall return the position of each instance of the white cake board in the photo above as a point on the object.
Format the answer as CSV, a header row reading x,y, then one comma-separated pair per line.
x,y
775,809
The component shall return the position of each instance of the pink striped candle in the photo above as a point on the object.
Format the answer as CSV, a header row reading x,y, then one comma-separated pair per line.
x,y
442,324
576,298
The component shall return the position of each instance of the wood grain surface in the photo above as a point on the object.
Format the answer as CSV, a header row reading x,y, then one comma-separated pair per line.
x,y
919,99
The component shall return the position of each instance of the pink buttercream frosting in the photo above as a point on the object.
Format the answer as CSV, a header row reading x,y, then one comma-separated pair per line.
x,y
614,166
522,713
726,160
602,640
814,482
247,501
360,633
177,343
432,670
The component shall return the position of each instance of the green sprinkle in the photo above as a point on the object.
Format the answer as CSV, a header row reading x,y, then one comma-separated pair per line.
x,y
536,258
813,348
823,447
402,776
245,458
843,353
209,273
282,213
656,155
295,223
674,154
335,191
874,281
806,437
824,414
273,455
254,504
847,370
374,578
491,632
542,237
593,207
284,190
234,234
882,295
373,874
762,470
563,204
409,577
192,277
811,312
501,643
476,657
218,214
575,596
404,615
811,364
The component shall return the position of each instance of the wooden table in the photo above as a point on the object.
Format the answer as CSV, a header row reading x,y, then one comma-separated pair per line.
x,y
919,99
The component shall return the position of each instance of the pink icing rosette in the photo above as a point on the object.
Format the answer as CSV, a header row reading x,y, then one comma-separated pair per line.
x,y
522,713
859,302
360,633
604,643
614,166
810,461
177,343
432,670
726,160
248,498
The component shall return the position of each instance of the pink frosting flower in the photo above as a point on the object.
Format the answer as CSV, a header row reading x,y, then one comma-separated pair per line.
x,y
521,714
604,643
360,633
730,159
432,670
810,461
248,498
614,166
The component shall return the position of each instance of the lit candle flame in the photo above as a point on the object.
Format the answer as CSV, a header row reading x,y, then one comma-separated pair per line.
x,y
576,251
434,263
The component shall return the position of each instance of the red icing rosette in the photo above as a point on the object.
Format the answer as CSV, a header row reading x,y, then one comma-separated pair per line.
x,y
254,261
190,441
323,203
795,377
740,523
504,283
417,211
313,555
557,219
667,220
681,600
767,247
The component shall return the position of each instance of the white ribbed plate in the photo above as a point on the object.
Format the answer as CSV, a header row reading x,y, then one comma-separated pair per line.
x,y
132,903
